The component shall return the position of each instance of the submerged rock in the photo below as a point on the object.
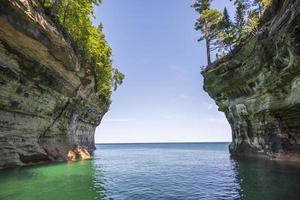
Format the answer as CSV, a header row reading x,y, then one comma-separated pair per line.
x,y
258,87
48,100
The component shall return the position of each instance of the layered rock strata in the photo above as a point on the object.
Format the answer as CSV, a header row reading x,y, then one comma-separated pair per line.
x,y
258,87
48,100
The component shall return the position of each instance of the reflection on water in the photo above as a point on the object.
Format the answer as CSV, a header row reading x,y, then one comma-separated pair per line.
x,y
155,171
261,179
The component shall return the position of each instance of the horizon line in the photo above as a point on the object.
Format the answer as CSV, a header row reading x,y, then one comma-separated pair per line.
x,y
160,142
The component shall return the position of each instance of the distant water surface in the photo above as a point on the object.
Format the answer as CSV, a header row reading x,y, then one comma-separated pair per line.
x,y
187,171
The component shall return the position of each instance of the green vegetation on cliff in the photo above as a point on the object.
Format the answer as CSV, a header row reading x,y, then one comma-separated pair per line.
x,y
219,32
75,17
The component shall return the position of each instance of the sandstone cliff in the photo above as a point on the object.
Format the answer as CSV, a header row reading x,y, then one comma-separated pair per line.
x,y
258,87
48,102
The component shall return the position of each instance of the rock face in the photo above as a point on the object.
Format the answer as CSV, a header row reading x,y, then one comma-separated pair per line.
x,y
48,100
258,87
78,153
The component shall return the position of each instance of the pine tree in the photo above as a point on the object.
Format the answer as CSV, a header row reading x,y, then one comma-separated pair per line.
x,y
208,23
227,36
247,16
240,20
222,34
226,19
201,5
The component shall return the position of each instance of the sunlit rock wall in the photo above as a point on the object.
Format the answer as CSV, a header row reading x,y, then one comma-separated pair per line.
x,y
258,87
48,102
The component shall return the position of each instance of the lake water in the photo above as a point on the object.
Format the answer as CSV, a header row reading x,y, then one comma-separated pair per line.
x,y
155,171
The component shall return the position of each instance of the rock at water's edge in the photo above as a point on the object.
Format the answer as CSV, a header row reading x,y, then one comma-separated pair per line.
x,y
48,102
79,153
258,87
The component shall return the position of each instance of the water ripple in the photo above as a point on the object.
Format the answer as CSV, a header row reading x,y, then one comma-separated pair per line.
x,y
182,171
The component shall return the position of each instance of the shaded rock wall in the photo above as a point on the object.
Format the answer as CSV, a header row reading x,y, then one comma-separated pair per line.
x,y
258,87
48,102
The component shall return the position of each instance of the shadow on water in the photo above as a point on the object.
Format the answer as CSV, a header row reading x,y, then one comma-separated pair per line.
x,y
267,180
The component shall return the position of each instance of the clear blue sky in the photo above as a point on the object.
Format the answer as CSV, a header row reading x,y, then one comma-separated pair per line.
x,y
162,99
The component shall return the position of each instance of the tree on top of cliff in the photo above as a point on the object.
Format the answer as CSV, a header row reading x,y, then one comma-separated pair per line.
x,y
75,17
227,33
240,20
248,13
208,23
217,29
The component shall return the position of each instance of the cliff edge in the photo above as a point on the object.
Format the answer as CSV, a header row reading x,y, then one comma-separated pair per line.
x,y
258,87
48,99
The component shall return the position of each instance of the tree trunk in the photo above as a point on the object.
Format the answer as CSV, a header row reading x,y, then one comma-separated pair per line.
x,y
208,52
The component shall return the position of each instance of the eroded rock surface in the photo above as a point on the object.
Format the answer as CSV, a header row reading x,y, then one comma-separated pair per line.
x,y
78,153
48,102
258,87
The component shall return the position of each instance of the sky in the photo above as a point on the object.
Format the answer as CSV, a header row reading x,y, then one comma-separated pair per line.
x,y
162,98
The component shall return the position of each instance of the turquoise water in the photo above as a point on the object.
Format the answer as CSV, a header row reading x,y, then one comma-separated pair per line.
x,y
155,171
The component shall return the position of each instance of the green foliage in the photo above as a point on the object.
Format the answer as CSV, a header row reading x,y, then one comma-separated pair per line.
x,y
248,13
118,78
201,5
227,35
208,23
226,19
220,33
253,21
240,20
75,17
